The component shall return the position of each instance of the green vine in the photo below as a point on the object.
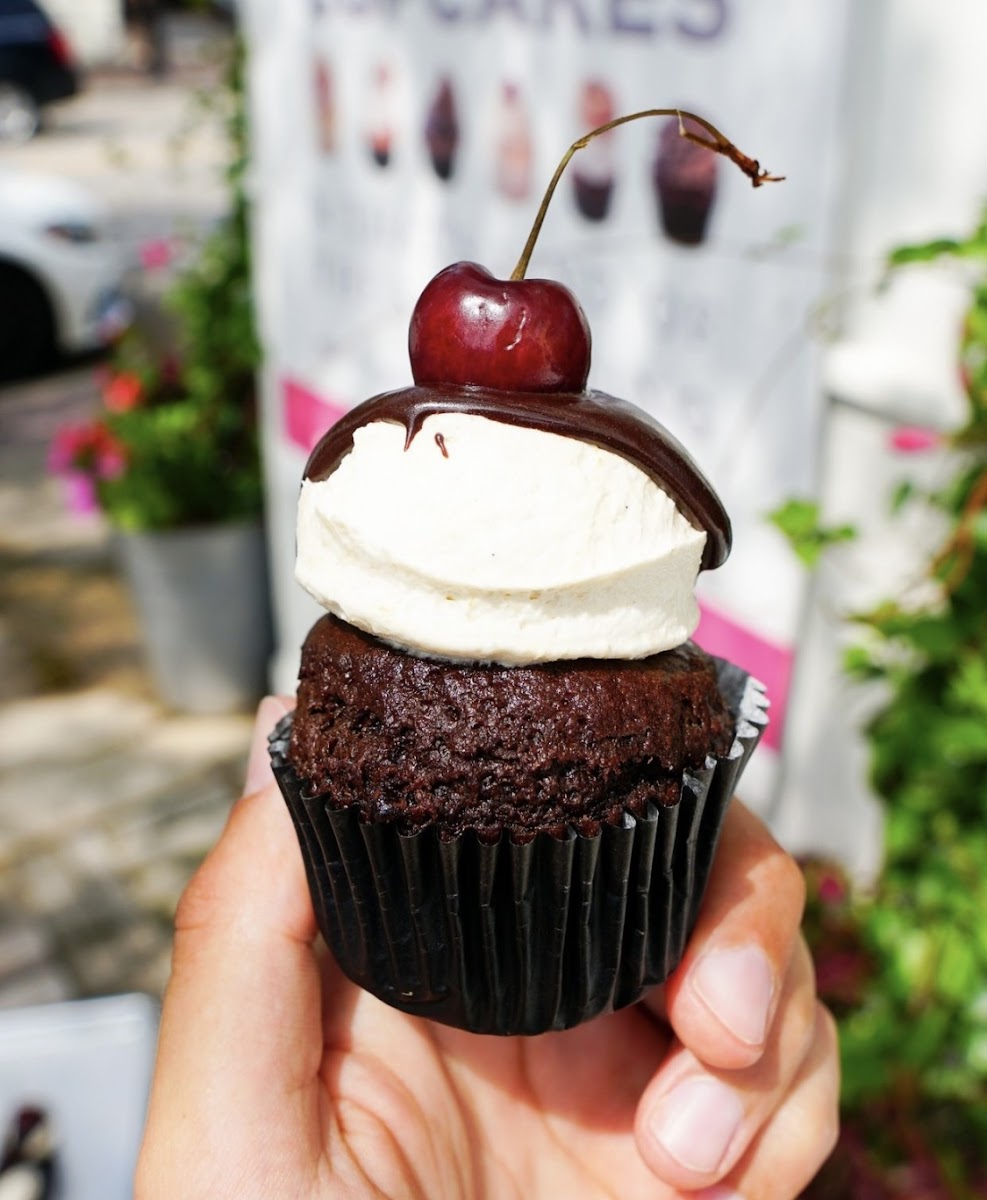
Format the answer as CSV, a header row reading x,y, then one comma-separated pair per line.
x,y
913,1027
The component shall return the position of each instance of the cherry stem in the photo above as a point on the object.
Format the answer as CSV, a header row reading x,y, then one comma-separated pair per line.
x,y
714,141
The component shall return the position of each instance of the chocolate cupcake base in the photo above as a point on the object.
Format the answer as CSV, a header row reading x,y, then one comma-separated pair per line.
x,y
684,213
518,939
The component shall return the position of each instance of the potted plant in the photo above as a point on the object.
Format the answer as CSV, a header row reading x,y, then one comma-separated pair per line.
x,y
903,963
172,460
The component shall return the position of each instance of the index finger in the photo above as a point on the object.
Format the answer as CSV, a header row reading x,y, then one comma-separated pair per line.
x,y
722,997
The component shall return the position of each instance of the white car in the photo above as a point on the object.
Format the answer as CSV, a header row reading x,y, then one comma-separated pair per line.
x,y
61,272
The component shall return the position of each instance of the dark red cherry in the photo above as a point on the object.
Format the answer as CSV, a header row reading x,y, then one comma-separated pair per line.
x,y
524,335
518,334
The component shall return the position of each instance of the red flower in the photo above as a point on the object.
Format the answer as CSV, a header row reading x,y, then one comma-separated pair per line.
x,y
110,455
123,392
841,975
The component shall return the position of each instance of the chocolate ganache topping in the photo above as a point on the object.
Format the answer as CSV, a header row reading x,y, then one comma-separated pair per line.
x,y
589,416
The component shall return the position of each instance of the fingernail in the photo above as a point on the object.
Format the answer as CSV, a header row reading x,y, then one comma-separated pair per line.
x,y
737,986
696,1122
719,1192
270,710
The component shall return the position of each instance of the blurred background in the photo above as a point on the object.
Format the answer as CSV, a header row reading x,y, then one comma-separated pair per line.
x,y
214,223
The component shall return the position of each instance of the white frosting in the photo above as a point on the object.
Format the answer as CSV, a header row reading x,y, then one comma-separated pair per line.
x,y
513,546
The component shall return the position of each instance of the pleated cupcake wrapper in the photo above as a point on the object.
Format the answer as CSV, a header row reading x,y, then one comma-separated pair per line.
x,y
518,939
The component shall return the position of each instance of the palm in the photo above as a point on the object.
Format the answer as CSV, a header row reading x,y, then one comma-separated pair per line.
x,y
421,1110
278,1077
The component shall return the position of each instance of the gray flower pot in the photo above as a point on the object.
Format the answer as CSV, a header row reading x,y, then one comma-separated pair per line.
x,y
203,603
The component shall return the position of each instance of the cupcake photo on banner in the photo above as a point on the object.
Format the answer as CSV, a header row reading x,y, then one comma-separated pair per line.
x,y
380,109
325,106
684,179
442,130
593,171
514,150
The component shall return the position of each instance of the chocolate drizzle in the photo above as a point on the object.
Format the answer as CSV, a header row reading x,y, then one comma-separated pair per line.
x,y
592,417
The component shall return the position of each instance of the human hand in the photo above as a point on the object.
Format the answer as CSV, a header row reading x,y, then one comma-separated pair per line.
x,y
277,1077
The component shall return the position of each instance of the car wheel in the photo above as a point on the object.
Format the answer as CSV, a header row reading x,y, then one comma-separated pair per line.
x,y
27,326
20,117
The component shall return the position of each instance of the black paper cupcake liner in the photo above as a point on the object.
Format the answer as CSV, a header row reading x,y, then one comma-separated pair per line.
x,y
518,939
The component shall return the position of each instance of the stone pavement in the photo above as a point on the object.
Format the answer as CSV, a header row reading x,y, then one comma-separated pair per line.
x,y
107,802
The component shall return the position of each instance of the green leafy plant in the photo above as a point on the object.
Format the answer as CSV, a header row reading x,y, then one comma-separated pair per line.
x,y
913,1027
176,443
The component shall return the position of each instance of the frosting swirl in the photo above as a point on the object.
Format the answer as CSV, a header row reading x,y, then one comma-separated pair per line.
x,y
590,416
485,526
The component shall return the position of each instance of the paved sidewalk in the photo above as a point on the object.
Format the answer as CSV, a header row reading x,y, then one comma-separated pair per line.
x,y
107,802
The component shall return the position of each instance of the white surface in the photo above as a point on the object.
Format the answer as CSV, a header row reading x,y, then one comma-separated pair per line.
x,y
88,1064
500,544
916,111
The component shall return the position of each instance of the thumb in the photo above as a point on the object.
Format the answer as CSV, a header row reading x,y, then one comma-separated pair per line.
x,y
241,1027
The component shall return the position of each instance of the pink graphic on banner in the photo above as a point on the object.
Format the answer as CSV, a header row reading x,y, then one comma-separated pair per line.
x,y
914,439
306,414
768,662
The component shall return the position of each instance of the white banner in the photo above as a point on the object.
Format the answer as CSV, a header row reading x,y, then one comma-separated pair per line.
x,y
396,136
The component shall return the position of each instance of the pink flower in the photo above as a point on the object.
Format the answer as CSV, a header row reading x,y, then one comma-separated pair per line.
x,y
80,494
913,439
831,889
111,462
90,450
155,253
109,458
67,447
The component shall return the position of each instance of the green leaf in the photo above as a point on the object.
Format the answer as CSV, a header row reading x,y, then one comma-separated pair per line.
x,y
967,689
799,521
934,635
860,664
957,976
962,740
923,252
938,248
904,491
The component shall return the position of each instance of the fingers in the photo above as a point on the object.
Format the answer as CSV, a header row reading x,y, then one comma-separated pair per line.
x,y
722,999
695,1124
244,925
802,1132
753,1044
244,974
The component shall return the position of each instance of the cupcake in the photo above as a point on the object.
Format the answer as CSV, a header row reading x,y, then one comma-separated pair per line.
x,y
380,135
325,107
442,131
514,154
593,170
508,764
684,178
